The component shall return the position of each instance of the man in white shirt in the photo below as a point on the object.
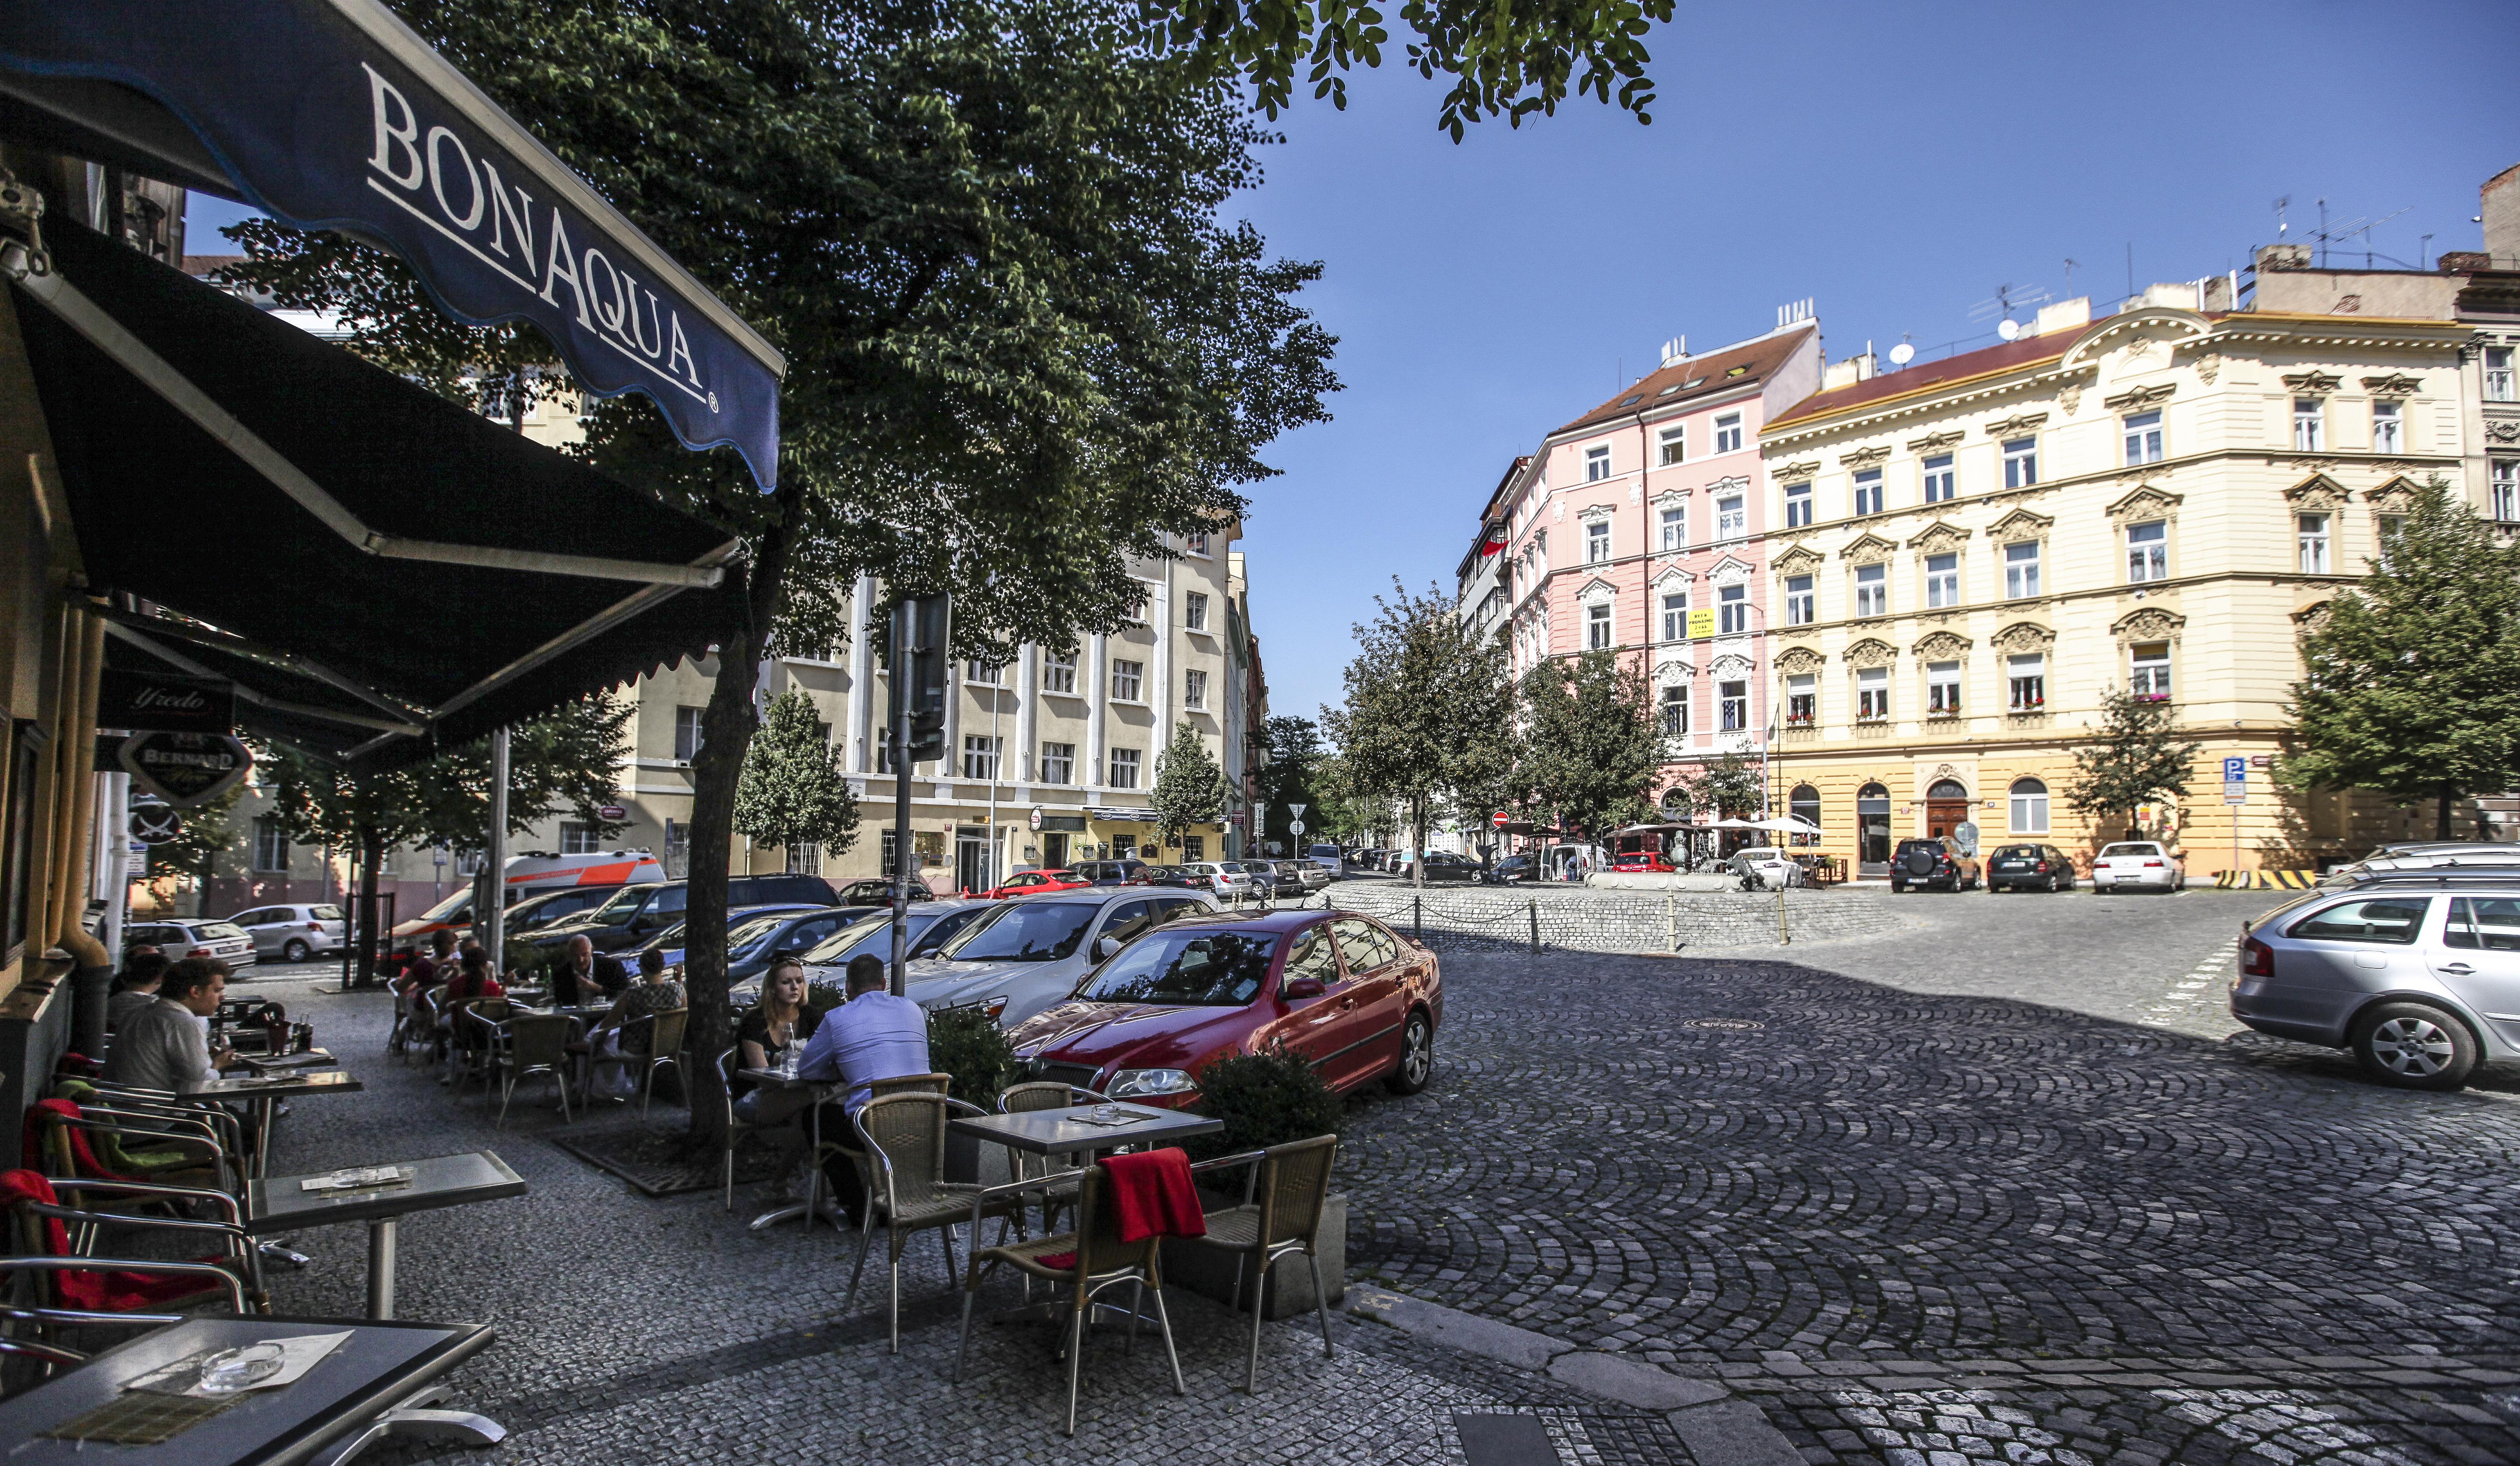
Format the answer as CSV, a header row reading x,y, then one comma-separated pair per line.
x,y
165,1046
870,1037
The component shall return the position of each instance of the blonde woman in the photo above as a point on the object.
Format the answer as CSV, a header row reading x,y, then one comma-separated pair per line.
x,y
777,1025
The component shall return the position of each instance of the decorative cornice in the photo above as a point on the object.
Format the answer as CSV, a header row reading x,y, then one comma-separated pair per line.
x,y
1671,670
1871,652
1934,442
1795,473
1800,659
2024,635
1669,497
1593,512
1732,664
2020,524
2135,399
1866,549
2145,502
1941,644
2395,384
1597,590
2397,493
2150,624
2318,490
1939,535
2312,384
1796,561
1863,457
1670,574
1727,483
2015,425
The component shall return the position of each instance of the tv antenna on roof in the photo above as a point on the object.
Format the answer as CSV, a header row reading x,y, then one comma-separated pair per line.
x,y
2281,205
2009,302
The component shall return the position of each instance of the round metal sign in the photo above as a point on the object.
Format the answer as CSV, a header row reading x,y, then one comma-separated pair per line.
x,y
1036,816
155,823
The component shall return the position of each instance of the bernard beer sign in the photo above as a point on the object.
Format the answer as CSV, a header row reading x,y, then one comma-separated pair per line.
x,y
185,769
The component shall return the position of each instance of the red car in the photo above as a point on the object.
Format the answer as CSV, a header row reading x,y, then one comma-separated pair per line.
x,y
1035,882
1343,990
1640,861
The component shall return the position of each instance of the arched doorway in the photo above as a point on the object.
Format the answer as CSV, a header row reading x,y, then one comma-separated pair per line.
x,y
1804,804
1947,807
1873,826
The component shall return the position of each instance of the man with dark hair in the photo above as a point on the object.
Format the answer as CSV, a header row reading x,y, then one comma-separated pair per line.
x,y
136,986
870,1037
165,1046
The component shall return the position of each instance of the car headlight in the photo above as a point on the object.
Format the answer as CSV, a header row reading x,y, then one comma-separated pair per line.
x,y
1145,1084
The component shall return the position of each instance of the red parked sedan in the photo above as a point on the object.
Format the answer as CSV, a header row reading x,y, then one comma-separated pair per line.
x,y
1341,989
1035,882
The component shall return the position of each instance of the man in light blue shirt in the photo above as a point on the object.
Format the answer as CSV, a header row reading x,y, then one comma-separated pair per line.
x,y
870,1037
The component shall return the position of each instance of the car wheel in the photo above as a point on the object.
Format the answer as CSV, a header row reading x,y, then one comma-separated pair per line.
x,y
1416,1065
2051,885
294,952
1897,889
2414,1045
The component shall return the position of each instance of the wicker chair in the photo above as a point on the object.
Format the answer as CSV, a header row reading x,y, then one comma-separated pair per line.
x,y
735,1130
1281,1215
531,1043
665,1031
1082,1264
1024,1165
901,1140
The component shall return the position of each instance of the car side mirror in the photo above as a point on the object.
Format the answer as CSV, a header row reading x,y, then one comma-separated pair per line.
x,y
1104,948
1303,987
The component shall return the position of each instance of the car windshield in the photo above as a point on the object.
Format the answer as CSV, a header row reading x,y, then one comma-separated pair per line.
x,y
1229,865
221,929
1189,969
672,937
2110,850
450,907
837,945
624,903
2021,852
325,913
1027,931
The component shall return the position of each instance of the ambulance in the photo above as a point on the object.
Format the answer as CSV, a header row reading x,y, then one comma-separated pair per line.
x,y
589,877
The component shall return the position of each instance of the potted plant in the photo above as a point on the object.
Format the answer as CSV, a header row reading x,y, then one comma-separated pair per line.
x,y
967,1045
1266,1098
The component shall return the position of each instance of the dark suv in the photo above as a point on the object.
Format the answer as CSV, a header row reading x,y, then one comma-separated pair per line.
x,y
637,912
1113,873
2029,868
1928,862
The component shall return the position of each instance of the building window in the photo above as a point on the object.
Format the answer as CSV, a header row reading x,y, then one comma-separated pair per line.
x,y
1194,689
805,857
979,757
1597,541
2307,420
1942,481
1675,445
1596,627
577,837
1675,711
1675,616
1194,610
1798,505
1195,544
1126,676
984,674
2029,807
1124,768
1942,580
1733,700
1868,493
1733,602
1872,591
1675,527
2143,437
471,862
1802,699
2387,424
1872,694
687,733
2148,670
1596,464
271,845
2502,383
1732,518
1942,690
1801,606
1193,847
2504,491
1059,672
1804,805
2311,532
2020,463
2021,570
2147,551
1058,763
1136,616
1727,433
2025,676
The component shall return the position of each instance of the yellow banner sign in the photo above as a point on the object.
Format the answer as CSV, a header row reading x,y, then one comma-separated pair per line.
x,y
1702,623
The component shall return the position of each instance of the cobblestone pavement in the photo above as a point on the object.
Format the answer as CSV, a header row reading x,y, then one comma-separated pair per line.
x,y
1927,1221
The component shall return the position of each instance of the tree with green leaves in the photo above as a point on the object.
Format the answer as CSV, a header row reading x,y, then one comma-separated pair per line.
x,y
1731,784
201,834
1591,743
1292,753
794,790
1189,789
1427,700
2135,757
2410,680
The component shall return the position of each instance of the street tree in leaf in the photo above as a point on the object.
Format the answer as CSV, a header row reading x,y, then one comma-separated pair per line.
x,y
1591,744
1731,783
2135,757
1189,788
792,791
2410,680
201,834
1427,700
1293,751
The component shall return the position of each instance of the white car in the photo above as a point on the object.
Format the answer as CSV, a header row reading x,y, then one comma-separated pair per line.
x,y
293,933
1315,876
1029,954
180,937
1775,869
1226,877
2136,866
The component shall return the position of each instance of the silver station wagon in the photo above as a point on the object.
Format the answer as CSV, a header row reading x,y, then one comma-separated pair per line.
x,y
2416,973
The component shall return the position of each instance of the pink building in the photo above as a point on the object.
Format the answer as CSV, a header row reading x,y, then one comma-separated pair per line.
x,y
1639,527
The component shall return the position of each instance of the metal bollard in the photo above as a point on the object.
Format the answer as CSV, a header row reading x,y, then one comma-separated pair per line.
x,y
1417,922
1535,929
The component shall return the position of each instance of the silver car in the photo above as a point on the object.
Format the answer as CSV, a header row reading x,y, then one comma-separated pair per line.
x,y
2416,973
293,933
180,938
1032,953
930,925
1227,878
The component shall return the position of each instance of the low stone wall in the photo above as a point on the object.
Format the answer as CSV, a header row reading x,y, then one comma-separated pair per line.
x,y
1476,919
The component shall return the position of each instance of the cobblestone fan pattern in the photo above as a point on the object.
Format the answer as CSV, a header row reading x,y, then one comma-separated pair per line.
x,y
1472,918
2145,1245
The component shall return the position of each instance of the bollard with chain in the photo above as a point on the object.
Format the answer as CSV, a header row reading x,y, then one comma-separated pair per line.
x,y
1535,929
1417,922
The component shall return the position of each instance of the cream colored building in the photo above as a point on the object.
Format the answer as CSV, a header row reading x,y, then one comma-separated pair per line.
x,y
2152,501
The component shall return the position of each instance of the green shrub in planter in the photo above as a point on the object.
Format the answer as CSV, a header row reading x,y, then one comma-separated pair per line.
x,y
1266,1098
969,1045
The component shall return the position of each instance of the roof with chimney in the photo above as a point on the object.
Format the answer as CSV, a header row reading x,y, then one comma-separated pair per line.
x,y
1936,376
1699,376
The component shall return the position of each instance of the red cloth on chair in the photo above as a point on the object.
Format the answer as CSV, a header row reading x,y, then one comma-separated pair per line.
x,y
1152,1194
98,1292
83,1158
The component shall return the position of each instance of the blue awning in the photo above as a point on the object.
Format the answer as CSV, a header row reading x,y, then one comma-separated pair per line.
x,y
334,115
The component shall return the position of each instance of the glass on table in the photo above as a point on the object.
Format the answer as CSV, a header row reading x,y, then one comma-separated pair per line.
x,y
232,1370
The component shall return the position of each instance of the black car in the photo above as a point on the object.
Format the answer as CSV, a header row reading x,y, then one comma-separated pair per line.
x,y
1442,866
1515,868
1112,873
2029,868
636,914
1179,877
1928,862
879,893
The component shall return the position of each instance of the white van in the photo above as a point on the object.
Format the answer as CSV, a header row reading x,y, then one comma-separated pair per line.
x,y
536,872
1327,857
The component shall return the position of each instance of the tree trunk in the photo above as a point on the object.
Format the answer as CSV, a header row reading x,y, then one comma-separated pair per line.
x,y
371,856
1418,841
2441,825
727,727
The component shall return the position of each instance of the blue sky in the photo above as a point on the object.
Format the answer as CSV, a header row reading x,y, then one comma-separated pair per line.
x,y
1898,163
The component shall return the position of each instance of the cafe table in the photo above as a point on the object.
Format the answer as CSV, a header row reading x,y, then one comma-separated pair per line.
x,y
380,1381
264,1092
779,1083
283,1204
312,1058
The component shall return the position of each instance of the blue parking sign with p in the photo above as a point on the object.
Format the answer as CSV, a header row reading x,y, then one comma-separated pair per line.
x,y
2235,771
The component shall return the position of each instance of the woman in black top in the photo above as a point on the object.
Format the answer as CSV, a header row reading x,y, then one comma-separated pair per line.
x,y
779,1024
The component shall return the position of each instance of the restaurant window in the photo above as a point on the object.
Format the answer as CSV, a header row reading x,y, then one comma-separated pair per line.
x,y
2504,492
1059,671
1673,710
979,756
1596,464
2021,570
1675,616
1733,604
1194,610
1675,445
1675,527
1802,699
1127,678
1596,627
1868,493
2147,551
1124,768
2020,463
271,844
1597,541
2148,670
2026,677
2143,437
577,837
1801,604
1798,505
1872,590
2310,533
1058,763
1731,517
2029,807
2307,424
687,733
1941,480
1942,690
1942,580
2388,427
1871,694
1727,433
1194,689
1733,705
1804,805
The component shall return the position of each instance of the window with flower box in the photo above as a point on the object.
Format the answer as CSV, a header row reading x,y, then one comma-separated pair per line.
x,y
1872,694
1942,690
2026,674
2148,670
1802,699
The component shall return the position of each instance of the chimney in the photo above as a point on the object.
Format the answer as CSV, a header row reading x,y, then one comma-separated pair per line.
x,y
2063,315
1848,372
2501,196
2273,257
1675,352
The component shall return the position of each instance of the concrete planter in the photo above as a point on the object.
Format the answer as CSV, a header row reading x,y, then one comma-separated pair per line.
x,y
1210,1274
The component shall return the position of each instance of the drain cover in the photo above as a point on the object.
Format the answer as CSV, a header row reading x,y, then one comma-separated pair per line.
x,y
1727,1025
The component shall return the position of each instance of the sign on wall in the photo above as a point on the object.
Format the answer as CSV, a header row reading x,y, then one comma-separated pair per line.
x,y
185,769
1702,623
165,702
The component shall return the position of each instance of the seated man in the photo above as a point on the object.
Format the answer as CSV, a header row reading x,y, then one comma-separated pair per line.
x,y
165,1046
872,1036
430,968
585,975
135,987
619,1030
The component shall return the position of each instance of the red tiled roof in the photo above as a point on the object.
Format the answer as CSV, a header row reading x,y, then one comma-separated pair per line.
x,y
1699,376
2003,356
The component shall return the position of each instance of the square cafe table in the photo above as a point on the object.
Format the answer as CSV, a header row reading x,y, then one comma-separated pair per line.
x,y
374,1383
264,1092
313,1058
283,1205
1069,1132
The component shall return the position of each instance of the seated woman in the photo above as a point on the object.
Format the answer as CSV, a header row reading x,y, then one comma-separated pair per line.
x,y
620,1032
775,1027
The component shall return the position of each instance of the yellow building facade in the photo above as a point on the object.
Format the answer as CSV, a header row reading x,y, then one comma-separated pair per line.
x,y
1974,550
